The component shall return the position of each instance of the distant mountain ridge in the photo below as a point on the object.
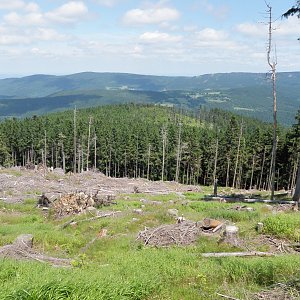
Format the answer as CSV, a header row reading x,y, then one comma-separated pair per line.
x,y
246,93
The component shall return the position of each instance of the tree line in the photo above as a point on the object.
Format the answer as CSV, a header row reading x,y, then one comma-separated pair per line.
x,y
157,143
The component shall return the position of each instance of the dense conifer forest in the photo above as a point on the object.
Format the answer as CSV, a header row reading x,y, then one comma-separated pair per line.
x,y
155,142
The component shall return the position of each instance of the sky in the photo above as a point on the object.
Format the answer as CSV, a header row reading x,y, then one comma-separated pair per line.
x,y
162,37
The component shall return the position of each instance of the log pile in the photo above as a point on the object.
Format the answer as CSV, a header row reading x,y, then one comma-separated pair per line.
x,y
76,203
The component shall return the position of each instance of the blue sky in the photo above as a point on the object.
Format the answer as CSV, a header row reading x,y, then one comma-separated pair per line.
x,y
164,37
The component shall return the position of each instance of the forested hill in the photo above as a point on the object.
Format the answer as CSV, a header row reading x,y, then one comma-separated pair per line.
x,y
154,142
245,93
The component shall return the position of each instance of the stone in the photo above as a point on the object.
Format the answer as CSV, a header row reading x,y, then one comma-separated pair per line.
x,y
173,212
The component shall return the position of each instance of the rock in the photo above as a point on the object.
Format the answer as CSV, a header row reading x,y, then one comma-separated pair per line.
x,y
92,210
268,207
173,212
135,219
145,201
138,211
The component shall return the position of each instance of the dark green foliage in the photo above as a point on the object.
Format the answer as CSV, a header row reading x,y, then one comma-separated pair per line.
x,y
124,132
294,10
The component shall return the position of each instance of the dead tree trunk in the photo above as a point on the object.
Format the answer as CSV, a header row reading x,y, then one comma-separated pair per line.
x,y
252,171
74,141
237,156
45,150
272,65
262,169
178,154
88,145
296,196
164,140
95,152
227,173
148,162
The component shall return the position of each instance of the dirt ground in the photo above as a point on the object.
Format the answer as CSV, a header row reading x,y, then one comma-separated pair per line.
x,y
16,184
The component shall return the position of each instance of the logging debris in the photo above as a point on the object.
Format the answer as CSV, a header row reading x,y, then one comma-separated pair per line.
x,y
22,249
280,291
75,203
18,184
182,233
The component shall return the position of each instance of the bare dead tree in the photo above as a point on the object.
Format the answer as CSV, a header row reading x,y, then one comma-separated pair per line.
x,y
296,196
252,171
88,144
237,156
74,141
178,153
95,152
272,64
45,150
164,142
216,161
148,163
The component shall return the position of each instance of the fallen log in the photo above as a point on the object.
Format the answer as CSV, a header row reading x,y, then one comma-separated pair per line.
x,y
227,297
237,254
248,200
22,249
108,214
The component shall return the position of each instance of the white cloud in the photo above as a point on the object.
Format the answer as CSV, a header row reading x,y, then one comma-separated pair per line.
x,y
31,19
70,12
108,3
48,34
18,5
216,39
219,12
32,7
252,29
154,15
25,36
12,37
159,37
210,34
281,28
11,4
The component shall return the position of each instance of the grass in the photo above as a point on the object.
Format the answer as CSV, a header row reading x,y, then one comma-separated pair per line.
x,y
118,267
284,226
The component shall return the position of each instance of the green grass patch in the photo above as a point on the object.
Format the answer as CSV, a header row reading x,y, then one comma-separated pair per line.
x,y
283,225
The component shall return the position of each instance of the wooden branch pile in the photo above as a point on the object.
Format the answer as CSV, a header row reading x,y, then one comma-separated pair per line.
x,y
184,233
279,291
21,248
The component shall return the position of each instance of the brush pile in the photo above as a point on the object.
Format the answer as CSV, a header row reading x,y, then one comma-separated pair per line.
x,y
183,233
